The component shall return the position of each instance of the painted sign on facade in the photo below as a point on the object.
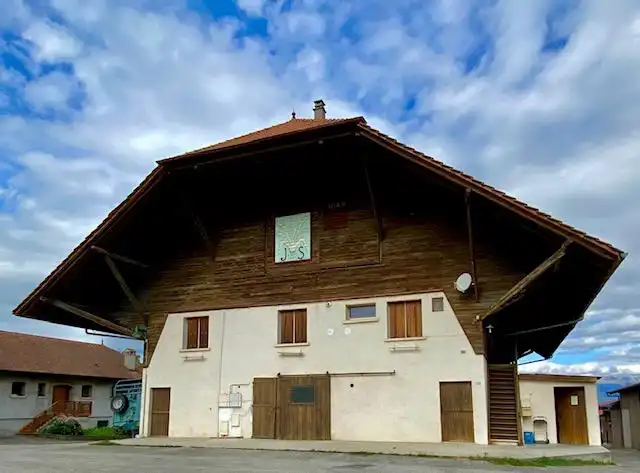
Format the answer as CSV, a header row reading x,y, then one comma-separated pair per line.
x,y
293,238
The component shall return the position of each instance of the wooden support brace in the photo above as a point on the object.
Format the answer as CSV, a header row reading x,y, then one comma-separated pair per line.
x,y
372,197
117,257
528,279
122,283
88,316
472,252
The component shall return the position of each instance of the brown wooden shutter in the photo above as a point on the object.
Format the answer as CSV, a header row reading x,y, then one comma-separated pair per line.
x,y
396,320
286,326
204,332
300,326
192,332
413,314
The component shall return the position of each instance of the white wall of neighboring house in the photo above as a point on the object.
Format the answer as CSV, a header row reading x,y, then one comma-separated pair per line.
x,y
16,411
243,345
540,395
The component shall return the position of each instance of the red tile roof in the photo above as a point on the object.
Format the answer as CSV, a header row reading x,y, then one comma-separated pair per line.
x,y
21,352
295,125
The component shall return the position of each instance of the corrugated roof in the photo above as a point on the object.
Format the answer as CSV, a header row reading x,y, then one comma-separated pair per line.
x,y
626,388
25,353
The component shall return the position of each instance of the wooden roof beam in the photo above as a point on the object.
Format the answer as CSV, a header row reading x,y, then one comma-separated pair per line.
x,y
472,251
88,316
118,257
372,198
522,285
125,288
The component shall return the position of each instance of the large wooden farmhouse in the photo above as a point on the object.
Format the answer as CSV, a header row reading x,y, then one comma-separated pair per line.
x,y
320,280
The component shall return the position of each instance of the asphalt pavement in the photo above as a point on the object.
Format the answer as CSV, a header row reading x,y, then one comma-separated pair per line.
x,y
35,456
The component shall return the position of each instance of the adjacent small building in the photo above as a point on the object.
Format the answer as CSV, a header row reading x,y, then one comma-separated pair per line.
x,y
41,377
620,420
559,409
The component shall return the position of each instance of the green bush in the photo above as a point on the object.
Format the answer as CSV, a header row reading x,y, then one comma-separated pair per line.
x,y
62,426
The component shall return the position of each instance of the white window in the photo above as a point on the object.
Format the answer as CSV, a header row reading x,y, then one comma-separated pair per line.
x,y
87,390
42,389
361,312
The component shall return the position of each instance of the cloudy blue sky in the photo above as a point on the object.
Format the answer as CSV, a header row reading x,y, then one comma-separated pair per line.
x,y
539,98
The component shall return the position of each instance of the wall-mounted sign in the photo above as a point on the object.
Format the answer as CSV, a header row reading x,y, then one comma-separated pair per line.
x,y
293,238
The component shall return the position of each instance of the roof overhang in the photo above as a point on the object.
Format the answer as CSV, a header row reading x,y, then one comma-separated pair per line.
x,y
255,149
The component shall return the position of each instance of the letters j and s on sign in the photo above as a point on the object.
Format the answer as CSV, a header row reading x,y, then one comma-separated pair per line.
x,y
293,238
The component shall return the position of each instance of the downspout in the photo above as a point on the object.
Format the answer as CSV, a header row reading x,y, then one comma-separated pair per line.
x,y
220,364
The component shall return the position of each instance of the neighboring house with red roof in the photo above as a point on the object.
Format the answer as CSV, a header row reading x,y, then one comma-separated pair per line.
x,y
63,376
317,279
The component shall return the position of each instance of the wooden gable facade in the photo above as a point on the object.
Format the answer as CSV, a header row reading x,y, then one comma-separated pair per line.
x,y
199,232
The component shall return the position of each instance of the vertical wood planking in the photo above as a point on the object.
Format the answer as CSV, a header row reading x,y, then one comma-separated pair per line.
x,y
571,419
456,410
160,411
413,315
264,408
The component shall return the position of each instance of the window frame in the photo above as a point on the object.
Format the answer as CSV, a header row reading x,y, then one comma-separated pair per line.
x,y
82,395
352,320
201,341
392,326
23,390
301,312
440,300
44,390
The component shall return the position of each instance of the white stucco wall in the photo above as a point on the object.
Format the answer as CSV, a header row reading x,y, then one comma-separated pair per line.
x,y
403,407
542,399
15,411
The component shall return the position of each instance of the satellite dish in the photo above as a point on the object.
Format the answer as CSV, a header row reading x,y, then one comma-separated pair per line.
x,y
463,283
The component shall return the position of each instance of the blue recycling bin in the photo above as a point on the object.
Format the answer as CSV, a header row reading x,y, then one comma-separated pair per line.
x,y
529,438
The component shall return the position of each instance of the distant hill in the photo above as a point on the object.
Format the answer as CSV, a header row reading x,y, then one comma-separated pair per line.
x,y
604,388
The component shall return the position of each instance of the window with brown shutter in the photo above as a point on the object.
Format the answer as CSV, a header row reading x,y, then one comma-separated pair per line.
x,y
293,326
405,319
197,332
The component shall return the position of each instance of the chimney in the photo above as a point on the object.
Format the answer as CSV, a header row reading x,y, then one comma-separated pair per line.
x,y
319,113
130,359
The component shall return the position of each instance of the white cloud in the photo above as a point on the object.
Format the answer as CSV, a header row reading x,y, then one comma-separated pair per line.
x,y
52,42
557,128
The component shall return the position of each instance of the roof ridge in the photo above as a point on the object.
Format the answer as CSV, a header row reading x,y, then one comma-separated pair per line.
x,y
263,130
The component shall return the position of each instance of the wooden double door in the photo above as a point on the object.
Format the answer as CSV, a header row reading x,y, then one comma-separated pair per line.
x,y
292,407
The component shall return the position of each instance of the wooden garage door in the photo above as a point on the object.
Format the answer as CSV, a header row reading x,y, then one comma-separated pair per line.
x,y
571,416
160,404
264,408
304,407
456,412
